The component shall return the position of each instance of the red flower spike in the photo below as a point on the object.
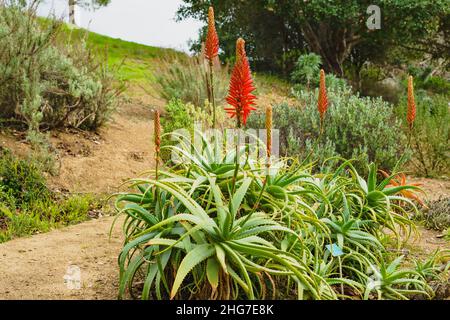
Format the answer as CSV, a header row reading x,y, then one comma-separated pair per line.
x,y
212,39
411,114
240,95
322,104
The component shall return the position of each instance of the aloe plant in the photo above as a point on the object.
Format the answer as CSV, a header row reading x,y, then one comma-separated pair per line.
x,y
198,232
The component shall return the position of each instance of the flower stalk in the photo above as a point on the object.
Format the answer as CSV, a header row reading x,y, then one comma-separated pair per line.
x,y
269,134
240,97
322,103
157,141
211,53
411,111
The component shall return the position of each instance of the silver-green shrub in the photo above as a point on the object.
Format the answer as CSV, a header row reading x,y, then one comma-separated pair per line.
x,y
355,127
45,82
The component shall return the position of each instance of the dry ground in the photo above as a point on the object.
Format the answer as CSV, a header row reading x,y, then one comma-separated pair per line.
x,y
34,267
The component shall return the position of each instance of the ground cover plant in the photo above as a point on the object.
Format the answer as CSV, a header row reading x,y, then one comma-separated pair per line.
x,y
28,206
222,224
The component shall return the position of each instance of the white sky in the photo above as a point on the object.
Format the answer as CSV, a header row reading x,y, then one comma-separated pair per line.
x,y
150,22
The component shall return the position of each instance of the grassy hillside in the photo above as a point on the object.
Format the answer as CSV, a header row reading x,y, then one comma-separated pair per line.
x,y
135,60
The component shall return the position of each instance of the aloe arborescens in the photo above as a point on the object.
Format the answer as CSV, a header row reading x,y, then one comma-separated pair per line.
x,y
211,53
322,104
240,95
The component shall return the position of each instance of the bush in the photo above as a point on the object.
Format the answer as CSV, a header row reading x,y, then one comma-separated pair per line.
x,y
358,128
202,231
437,215
186,80
54,84
28,206
430,138
21,182
179,115
306,71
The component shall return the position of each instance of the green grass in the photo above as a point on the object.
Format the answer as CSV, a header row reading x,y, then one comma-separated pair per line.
x,y
45,215
28,206
135,60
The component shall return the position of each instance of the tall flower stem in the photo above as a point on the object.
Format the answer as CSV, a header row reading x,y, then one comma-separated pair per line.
x,y
157,137
240,97
211,52
322,107
236,169
411,111
211,89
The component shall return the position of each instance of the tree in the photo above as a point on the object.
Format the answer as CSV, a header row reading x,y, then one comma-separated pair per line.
x,y
280,30
84,3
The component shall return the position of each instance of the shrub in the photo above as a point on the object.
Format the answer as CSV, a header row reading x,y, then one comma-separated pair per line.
x,y
28,206
20,181
54,84
179,115
186,80
358,128
431,134
306,69
437,216
426,81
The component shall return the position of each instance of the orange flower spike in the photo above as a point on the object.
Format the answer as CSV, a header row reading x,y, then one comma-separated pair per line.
x,y
240,49
212,39
322,104
411,113
240,96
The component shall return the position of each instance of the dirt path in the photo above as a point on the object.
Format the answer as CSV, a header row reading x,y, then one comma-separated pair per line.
x,y
99,163
34,267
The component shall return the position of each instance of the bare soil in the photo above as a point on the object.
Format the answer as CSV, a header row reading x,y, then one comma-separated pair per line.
x,y
34,267
99,163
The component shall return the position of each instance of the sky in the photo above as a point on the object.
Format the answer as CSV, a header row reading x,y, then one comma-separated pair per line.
x,y
150,22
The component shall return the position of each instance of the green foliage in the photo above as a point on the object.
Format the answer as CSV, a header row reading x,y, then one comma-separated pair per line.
x,y
306,69
430,138
393,283
334,29
20,181
55,84
183,116
186,79
44,215
437,215
358,128
201,231
27,206
423,79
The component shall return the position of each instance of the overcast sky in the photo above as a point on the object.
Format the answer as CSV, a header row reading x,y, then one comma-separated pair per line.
x,y
149,22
